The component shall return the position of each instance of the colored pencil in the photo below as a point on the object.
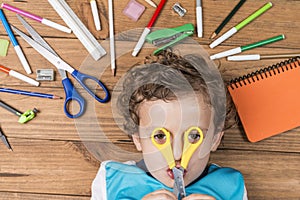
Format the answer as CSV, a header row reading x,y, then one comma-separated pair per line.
x,y
246,47
227,19
147,30
242,24
33,94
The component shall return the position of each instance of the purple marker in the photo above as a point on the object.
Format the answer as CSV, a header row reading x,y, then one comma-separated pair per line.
x,y
36,18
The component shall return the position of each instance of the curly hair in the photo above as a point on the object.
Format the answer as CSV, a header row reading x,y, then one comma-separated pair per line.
x,y
164,76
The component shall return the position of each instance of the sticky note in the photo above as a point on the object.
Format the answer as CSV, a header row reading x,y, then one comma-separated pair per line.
x,y
134,10
3,47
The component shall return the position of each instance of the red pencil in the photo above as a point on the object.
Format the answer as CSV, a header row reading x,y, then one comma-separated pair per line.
x,y
147,30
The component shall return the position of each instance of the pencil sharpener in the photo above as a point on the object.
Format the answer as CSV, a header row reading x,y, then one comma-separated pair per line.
x,y
44,74
179,9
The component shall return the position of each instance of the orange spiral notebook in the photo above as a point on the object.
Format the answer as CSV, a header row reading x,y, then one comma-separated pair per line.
x,y
268,100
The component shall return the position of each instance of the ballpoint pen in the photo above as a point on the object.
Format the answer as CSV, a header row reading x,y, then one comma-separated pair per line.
x,y
4,140
15,43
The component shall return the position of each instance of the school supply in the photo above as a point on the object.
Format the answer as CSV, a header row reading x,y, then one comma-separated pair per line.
x,y
95,14
227,19
199,18
170,36
3,47
78,28
246,47
239,26
260,57
4,140
40,45
179,9
134,10
151,3
19,76
33,94
267,101
23,117
15,43
36,18
161,138
147,29
44,74
111,37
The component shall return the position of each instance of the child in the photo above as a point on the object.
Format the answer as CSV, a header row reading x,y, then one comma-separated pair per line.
x,y
173,94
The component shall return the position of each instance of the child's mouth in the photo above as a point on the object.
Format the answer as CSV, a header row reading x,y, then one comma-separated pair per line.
x,y
171,174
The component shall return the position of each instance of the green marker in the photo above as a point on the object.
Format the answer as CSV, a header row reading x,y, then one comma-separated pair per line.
x,y
246,47
246,21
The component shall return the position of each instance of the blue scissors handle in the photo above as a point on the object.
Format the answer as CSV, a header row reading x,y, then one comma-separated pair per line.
x,y
72,95
80,77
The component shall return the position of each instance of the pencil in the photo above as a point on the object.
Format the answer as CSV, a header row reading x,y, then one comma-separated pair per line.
x,y
227,19
242,24
246,47
33,94
111,37
260,57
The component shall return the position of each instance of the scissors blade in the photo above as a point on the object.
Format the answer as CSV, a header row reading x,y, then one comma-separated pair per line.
x,y
35,35
179,188
55,60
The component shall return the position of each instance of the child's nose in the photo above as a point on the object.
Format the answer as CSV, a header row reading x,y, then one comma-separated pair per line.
x,y
177,148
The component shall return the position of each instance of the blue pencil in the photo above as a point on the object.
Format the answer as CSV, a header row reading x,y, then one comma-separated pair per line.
x,y
33,94
15,43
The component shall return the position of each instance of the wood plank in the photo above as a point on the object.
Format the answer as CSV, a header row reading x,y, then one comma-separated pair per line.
x,y
26,196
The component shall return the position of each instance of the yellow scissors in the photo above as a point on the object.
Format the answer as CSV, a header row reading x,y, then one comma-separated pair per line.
x,y
161,138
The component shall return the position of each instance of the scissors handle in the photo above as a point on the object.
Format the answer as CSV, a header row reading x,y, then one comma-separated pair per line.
x,y
80,77
190,148
72,95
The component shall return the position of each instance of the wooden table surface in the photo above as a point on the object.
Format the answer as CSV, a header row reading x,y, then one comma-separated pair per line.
x,y
55,157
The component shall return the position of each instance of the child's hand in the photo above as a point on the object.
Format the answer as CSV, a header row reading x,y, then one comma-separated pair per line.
x,y
160,195
198,197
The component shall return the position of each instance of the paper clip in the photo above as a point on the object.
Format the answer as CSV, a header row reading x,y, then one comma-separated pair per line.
x,y
170,36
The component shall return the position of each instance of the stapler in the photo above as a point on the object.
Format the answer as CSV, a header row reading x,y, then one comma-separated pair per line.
x,y
169,36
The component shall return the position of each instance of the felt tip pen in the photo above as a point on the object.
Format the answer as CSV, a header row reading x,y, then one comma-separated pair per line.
x,y
147,30
242,24
246,47
260,57
199,18
95,14
36,18
19,76
15,43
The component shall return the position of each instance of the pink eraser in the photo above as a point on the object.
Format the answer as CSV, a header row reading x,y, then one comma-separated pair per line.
x,y
134,10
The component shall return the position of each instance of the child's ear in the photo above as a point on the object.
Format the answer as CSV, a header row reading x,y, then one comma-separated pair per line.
x,y
137,141
216,141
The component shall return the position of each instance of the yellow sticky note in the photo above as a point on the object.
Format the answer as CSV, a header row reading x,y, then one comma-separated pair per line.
x,y
3,47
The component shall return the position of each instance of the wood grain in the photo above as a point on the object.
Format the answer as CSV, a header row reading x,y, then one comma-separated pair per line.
x,y
56,157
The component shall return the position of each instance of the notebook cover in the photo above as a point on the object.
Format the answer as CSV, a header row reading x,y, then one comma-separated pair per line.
x,y
268,103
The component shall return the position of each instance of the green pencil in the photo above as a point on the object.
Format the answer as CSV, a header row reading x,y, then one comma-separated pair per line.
x,y
235,29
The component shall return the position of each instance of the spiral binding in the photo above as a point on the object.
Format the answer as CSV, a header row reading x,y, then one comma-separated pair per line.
x,y
265,72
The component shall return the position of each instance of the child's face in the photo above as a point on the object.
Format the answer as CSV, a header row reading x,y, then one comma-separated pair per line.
x,y
176,117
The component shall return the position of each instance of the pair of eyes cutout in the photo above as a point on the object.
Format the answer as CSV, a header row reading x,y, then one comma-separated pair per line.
x,y
189,147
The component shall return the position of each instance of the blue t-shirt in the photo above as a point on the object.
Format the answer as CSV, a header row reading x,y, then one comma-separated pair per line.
x,y
126,181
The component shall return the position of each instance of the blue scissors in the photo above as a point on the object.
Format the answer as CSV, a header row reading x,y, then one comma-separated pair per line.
x,y
40,45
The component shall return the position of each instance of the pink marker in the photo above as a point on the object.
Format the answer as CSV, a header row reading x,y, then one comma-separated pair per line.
x,y
36,18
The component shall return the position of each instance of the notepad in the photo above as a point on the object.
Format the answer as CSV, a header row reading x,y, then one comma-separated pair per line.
x,y
268,100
